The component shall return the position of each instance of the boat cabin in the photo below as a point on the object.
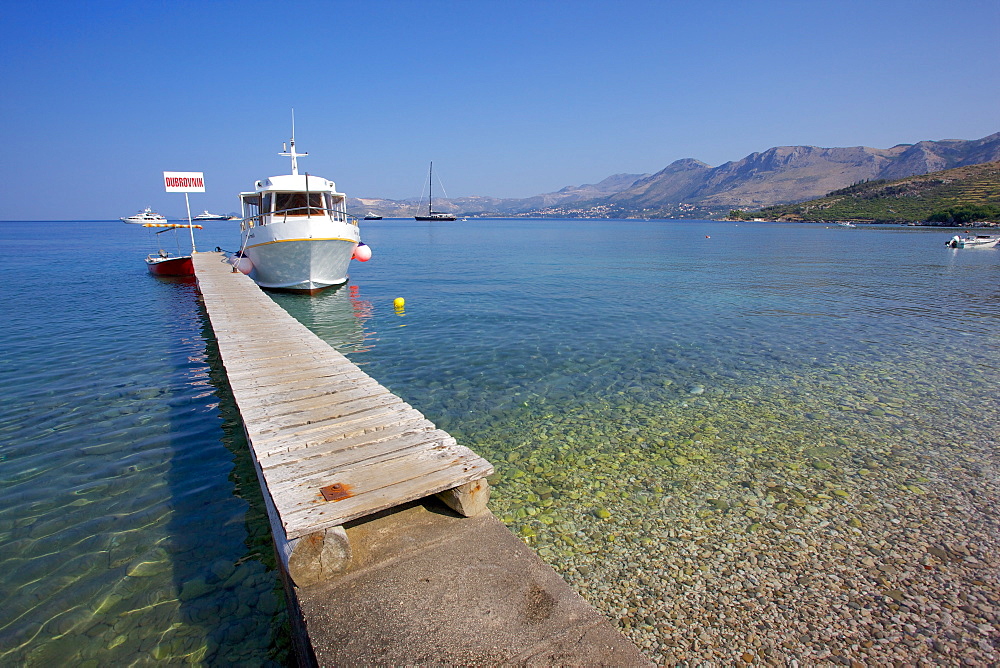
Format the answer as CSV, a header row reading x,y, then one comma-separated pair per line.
x,y
282,197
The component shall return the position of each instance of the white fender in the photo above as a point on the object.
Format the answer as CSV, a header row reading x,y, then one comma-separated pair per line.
x,y
242,264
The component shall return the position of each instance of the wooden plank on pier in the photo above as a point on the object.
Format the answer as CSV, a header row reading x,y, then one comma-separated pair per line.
x,y
330,443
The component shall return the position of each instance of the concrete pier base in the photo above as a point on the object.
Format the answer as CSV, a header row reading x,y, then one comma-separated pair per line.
x,y
426,586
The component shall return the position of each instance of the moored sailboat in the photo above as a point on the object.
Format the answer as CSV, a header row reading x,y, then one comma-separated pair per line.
x,y
431,213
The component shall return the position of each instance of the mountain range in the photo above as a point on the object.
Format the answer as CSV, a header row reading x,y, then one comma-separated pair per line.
x,y
483,205
689,188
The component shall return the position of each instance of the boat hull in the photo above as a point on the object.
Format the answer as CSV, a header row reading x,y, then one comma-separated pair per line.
x,y
301,256
982,241
435,217
170,266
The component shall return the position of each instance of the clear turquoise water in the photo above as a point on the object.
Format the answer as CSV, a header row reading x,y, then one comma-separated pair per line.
x,y
503,313
680,411
525,337
599,365
131,526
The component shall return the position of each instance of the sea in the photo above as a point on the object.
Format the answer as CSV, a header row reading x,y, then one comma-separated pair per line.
x,y
636,384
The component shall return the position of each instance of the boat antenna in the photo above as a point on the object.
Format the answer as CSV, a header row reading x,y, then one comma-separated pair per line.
x,y
290,153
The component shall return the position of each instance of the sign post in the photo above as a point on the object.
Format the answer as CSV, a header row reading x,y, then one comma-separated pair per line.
x,y
185,182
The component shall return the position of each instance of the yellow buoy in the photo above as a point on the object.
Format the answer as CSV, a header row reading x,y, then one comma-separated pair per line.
x,y
399,302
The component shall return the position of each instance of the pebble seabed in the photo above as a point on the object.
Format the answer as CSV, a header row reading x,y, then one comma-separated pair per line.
x,y
838,516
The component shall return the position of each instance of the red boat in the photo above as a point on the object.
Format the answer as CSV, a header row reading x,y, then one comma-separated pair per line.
x,y
169,265
163,263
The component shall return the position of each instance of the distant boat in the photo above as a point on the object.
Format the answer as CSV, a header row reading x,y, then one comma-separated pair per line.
x,y
372,216
977,241
145,216
846,223
205,215
431,213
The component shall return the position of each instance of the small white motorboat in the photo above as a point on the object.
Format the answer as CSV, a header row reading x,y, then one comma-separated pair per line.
x,y
973,241
143,217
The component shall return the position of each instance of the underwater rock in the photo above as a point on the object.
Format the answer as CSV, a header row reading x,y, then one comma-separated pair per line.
x,y
222,569
823,451
194,588
268,603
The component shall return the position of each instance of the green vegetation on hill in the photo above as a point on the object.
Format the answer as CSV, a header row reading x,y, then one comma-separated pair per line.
x,y
954,196
968,213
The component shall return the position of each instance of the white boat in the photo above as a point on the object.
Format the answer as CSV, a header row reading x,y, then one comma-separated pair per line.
x,y
977,241
296,232
145,216
205,215
846,223
372,216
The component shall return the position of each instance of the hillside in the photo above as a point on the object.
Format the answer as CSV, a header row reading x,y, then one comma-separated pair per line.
x,y
915,198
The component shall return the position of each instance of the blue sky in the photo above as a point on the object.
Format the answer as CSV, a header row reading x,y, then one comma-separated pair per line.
x,y
509,98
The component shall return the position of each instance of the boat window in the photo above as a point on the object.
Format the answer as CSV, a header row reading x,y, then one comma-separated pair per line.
x,y
294,204
316,204
265,206
251,209
335,205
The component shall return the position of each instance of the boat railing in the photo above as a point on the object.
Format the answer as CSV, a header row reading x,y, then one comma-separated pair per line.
x,y
303,211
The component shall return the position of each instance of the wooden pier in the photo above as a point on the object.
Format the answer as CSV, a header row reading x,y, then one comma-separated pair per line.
x,y
377,569
329,443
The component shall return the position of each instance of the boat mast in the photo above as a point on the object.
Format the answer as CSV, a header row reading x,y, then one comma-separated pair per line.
x,y
286,153
430,190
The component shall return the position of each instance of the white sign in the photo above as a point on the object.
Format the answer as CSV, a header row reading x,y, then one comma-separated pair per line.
x,y
184,182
